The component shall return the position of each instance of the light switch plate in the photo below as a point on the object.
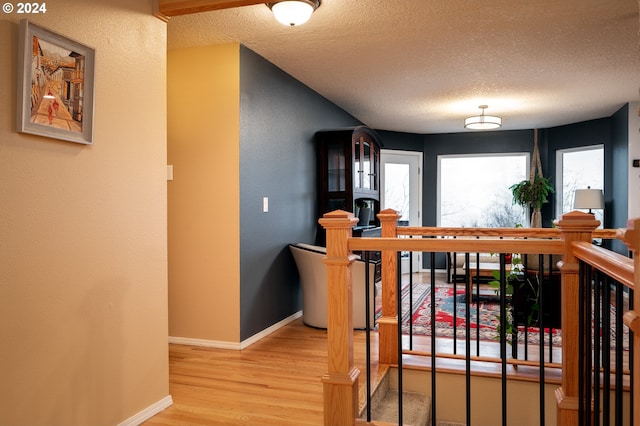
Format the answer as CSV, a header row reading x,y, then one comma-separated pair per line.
x,y
265,204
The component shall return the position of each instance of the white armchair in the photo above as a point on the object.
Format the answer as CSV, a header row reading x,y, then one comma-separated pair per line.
x,y
313,278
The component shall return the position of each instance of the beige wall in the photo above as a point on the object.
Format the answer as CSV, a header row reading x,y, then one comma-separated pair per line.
x,y
204,203
83,257
486,401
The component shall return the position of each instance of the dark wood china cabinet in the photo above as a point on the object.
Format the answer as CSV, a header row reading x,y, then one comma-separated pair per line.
x,y
348,176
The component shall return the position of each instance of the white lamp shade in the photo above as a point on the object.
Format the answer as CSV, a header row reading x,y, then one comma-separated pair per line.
x,y
588,199
292,12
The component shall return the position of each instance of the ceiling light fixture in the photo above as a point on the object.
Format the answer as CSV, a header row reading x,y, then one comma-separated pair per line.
x,y
293,12
483,122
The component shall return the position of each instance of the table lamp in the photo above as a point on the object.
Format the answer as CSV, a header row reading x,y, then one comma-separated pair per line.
x,y
588,199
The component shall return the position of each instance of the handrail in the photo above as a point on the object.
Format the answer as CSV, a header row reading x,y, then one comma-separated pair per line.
x,y
529,246
618,267
631,237
572,239
434,231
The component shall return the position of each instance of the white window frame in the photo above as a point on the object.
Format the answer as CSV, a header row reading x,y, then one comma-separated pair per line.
x,y
527,156
560,169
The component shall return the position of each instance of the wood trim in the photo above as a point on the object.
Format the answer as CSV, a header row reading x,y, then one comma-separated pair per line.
x,y
168,8
388,322
340,383
576,227
617,266
530,246
573,239
631,237
434,231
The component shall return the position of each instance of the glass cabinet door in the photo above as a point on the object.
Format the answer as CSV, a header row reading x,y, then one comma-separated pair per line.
x,y
366,165
374,178
366,159
357,164
336,170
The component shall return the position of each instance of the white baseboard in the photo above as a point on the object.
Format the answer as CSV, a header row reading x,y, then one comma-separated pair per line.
x,y
267,331
148,412
218,344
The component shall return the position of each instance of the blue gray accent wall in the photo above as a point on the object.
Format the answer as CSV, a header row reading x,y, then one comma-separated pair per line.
x,y
612,132
587,133
278,119
617,192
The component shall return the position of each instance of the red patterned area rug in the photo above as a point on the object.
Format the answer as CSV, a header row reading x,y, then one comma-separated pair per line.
x,y
484,316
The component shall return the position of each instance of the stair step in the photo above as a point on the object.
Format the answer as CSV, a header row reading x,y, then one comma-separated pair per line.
x,y
384,406
416,408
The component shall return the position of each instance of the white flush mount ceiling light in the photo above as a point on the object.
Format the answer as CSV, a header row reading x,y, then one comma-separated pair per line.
x,y
293,12
482,121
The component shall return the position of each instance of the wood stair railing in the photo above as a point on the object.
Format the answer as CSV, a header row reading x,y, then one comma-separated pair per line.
x,y
572,239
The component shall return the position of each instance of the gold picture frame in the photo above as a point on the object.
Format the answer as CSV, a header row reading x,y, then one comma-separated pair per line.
x,y
55,85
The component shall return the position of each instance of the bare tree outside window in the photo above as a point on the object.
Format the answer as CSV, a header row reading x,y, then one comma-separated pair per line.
x,y
397,189
473,190
579,168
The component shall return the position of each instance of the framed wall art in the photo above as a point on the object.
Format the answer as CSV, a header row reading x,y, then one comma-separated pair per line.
x,y
55,85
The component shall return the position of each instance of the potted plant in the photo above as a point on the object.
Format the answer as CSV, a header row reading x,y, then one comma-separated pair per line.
x,y
532,193
519,287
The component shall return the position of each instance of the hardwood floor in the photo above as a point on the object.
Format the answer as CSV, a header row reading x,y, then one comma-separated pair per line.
x,y
275,381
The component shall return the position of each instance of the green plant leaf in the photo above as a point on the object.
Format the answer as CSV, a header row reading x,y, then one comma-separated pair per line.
x,y
533,194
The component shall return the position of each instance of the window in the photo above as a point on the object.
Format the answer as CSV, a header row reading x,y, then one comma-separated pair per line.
x,y
473,190
578,168
396,189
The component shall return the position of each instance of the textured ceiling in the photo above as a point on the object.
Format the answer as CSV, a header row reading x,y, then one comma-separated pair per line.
x,y
422,66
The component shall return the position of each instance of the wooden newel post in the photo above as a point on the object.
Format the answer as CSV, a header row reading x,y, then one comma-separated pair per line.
x,y
388,321
631,237
575,226
340,383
